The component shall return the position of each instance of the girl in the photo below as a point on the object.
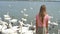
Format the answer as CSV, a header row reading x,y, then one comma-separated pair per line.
x,y
42,21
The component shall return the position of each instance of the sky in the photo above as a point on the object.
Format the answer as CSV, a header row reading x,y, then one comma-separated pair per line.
x,y
29,0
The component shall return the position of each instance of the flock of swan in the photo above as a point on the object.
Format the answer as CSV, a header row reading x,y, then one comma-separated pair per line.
x,y
7,28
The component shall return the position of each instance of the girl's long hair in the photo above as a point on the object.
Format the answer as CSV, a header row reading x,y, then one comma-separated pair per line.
x,y
42,12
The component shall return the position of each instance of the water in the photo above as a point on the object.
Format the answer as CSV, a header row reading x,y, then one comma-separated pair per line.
x,y
15,7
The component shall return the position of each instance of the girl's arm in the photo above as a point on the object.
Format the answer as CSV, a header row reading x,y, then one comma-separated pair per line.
x,y
47,26
36,25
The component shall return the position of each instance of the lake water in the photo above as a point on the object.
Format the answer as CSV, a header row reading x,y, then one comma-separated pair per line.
x,y
15,7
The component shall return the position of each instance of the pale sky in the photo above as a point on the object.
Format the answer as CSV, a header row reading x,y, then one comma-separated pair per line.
x,y
29,0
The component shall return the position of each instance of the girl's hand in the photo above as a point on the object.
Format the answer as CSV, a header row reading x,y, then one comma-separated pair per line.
x,y
46,31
